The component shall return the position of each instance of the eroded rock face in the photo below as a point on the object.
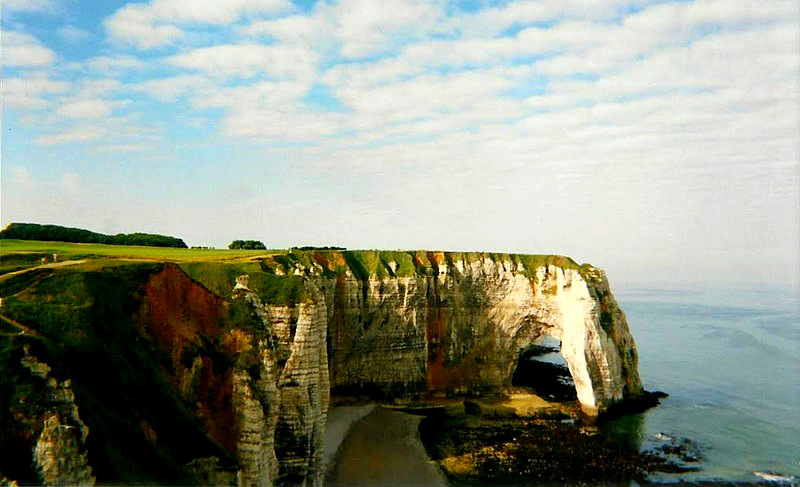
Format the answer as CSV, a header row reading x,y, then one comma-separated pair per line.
x,y
246,380
60,451
261,391
459,328
304,395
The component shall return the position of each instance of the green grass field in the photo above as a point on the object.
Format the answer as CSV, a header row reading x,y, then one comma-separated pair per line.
x,y
70,250
18,255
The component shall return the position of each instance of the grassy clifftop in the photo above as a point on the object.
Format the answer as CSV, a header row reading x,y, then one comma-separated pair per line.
x,y
217,269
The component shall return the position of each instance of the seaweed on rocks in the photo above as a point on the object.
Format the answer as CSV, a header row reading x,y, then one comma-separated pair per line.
x,y
479,450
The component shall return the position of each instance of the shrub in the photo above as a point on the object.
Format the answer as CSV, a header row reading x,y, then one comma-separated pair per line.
x,y
247,245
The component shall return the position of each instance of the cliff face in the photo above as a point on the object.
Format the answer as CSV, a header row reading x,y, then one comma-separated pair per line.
x,y
460,322
266,397
174,384
219,373
60,451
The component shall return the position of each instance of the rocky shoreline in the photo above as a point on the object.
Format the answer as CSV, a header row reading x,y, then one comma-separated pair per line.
x,y
486,444
518,440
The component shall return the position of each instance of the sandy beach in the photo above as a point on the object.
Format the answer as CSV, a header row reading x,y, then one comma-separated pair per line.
x,y
381,448
340,420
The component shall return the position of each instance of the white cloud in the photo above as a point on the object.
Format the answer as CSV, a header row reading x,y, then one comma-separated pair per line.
x,y
365,27
75,134
154,24
86,108
247,60
30,91
293,29
114,65
682,17
72,34
173,88
274,95
430,94
28,6
685,132
420,57
121,148
91,98
134,28
494,20
24,50
278,125
268,110
21,176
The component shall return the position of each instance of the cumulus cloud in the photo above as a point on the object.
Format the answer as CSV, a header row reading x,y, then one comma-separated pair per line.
x,y
24,50
633,103
364,28
115,65
75,134
247,60
172,88
72,34
157,22
86,108
292,29
30,91
28,6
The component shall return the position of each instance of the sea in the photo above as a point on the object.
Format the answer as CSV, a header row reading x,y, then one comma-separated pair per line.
x,y
729,358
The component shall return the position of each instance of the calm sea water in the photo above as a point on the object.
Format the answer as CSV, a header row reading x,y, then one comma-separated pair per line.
x,y
730,360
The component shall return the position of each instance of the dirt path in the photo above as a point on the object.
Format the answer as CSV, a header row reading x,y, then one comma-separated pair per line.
x,y
383,448
44,266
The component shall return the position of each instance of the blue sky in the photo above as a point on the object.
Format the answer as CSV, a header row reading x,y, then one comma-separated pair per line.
x,y
658,140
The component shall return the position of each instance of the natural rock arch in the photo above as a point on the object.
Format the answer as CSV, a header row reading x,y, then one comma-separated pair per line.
x,y
542,369
461,329
595,340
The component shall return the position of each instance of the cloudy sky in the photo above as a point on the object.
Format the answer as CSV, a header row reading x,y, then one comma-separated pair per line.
x,y
658,140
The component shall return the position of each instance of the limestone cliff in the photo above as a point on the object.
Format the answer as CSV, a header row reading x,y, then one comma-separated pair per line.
x,y
60,451
406,323
220,372
175,384
274,386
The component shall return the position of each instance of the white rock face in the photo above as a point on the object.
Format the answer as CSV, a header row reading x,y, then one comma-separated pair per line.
x,y
304,396
282,409
60,452
462,326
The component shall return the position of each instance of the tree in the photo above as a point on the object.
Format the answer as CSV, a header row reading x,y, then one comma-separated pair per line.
x,y
56,233
247,245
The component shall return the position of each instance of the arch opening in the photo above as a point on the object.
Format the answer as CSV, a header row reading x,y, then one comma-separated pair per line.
x,y
542,369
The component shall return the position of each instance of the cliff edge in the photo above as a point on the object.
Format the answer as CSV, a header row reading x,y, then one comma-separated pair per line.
x,y
211,371
456,323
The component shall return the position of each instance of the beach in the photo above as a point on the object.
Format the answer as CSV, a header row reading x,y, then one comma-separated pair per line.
x,y
381,447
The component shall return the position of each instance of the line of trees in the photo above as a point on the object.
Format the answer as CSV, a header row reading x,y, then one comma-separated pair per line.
x,y
57,233
247,245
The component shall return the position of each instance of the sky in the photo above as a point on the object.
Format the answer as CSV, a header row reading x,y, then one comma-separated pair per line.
x,y
657,140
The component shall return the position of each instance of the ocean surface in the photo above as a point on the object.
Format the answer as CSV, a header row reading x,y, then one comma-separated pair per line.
x,y
729,358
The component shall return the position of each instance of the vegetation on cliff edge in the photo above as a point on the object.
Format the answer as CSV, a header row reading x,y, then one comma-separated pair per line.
x,y
362,264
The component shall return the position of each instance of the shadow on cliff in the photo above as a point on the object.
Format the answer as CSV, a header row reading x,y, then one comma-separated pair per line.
x,y
83,328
